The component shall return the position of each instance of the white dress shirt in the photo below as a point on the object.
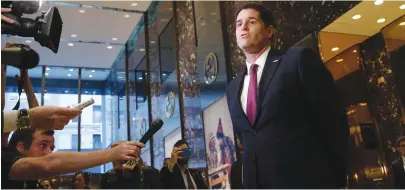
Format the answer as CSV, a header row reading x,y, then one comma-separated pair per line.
x,y
261,61
403,161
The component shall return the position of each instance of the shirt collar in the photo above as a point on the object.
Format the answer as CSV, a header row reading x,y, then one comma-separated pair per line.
x,y
261,60
403,159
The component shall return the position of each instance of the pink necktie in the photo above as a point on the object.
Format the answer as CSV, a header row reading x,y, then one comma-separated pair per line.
x,y
252,94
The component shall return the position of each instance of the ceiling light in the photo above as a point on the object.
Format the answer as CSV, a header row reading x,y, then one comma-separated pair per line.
x,y
339,60
355,17
164,74
69,75
335,49
93,71
354,51
90,76
28,41
381,20
402,23
46,74
152,42
70,69
82,11
127,16
70,44
134,4
73,35
48,68
140,78
378,2
114,39
86,91
109,47
141,49
402,6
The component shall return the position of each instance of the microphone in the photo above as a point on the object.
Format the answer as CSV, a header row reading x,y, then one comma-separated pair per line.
x,y
21,57
155,127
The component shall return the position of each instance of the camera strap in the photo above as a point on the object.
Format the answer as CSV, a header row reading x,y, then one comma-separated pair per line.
x,y
20,87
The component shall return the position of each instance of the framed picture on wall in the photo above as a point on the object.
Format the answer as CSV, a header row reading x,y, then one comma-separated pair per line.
x,y
219,142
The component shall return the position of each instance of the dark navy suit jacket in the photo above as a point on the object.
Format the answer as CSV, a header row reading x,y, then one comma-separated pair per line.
x,y
299,138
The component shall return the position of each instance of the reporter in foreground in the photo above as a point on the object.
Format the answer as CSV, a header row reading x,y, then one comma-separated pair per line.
x,y
30,158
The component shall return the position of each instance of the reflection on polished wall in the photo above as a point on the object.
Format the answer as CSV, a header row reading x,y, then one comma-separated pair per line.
x,y
294,20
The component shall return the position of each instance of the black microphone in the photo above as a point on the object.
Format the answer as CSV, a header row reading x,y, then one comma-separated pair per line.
x,y
155,127
20,57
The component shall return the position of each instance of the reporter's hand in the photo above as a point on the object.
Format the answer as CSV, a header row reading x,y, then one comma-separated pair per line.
x,y
51,117
4,18
175,156
128,150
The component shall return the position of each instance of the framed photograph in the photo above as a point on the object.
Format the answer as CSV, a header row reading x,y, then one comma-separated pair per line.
x,y
219,142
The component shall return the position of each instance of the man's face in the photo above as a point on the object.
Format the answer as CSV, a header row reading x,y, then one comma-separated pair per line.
x,y
41,145
79,181
401,148
251,34
45,184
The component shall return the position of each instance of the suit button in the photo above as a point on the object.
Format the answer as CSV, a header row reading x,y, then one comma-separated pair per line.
x,y
254,132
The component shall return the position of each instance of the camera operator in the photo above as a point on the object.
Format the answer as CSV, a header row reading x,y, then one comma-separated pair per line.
x,y
30,157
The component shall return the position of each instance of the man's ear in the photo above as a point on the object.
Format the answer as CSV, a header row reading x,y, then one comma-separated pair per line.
x,y
270,31
20,147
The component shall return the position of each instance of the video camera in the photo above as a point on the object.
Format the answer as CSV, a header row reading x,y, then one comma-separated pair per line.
x,y
46,28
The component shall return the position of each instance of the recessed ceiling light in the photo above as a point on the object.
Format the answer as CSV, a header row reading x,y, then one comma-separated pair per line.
x,y
164,74
134,4
141,49
109,47
152,42
46,74
402,24
354,51
381,20
355,17
127,16
93,71
70,44
335,49
114,39
140,78
69,75
73,35
70,69
339,60
28,41
48,68
90,76
378,2
82,11
402,6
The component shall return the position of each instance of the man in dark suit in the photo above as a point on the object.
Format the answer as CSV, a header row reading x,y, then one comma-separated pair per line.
x,y
236,177
286,108
398,166
177,175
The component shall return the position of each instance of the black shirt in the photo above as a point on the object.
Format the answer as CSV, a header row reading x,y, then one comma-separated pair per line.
x,y
7,160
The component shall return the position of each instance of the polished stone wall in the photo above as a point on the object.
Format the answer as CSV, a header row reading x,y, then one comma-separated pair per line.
x,y
384,100
294,20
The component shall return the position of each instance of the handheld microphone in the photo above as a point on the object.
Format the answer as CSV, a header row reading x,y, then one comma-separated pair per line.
x,y
21,57
156,126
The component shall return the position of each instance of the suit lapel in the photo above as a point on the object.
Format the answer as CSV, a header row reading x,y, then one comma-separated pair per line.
x,y
272,62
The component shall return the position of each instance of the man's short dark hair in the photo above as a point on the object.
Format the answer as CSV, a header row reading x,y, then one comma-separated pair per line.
x,y
265,15
25,135
400,139
180,142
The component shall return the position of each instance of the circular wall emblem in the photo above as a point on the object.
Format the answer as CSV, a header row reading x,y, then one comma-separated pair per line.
x,y
211,68
170,104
